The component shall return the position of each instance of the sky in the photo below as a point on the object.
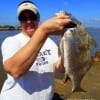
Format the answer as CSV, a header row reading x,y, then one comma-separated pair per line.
x,y
87,11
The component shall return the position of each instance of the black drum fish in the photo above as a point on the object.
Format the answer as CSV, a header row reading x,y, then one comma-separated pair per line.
x,y
75,51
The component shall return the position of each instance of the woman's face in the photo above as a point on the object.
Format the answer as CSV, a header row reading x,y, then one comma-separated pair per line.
x,y
29,22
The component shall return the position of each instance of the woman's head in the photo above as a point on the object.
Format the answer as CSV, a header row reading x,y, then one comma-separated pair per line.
x,y
28,5
28,16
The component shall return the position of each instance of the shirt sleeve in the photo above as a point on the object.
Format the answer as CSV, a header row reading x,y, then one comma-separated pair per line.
x,y
9,47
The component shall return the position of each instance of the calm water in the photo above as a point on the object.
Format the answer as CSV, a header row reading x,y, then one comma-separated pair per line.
x,y
3,35
94,32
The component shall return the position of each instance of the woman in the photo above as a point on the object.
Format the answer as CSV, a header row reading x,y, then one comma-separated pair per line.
x,y
30,57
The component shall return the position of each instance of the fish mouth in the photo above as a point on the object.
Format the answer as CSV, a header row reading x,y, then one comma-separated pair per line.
x,y
71,25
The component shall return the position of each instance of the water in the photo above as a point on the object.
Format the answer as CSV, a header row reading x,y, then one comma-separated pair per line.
x,y
3,35
95,32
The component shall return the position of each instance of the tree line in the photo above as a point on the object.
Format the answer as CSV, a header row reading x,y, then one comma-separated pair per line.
x,y
9,27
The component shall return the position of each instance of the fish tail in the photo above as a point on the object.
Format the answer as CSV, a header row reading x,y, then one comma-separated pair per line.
x,y
65,78
76,86
78,89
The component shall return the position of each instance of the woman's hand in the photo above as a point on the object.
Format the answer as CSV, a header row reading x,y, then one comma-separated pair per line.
x,y
59,65
55,25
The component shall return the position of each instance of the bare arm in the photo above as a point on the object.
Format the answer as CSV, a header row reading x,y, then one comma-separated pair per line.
x,y
19,63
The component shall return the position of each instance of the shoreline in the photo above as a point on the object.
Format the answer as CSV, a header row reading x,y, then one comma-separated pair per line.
x,y
6,29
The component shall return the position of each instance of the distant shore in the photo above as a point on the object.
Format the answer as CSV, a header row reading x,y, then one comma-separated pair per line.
x,y
9,27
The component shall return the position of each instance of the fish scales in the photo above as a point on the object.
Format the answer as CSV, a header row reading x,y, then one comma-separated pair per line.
x,y
75,55
75,50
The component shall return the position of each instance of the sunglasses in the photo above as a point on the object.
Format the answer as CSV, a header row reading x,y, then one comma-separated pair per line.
x,y
30,17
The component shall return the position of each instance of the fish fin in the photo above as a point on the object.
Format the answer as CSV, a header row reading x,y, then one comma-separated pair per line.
x,y
65,78
78,89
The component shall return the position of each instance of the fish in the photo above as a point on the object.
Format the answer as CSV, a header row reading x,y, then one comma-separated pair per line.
x,y
75,48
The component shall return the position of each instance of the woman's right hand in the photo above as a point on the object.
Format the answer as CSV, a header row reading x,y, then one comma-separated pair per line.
x,y
55,25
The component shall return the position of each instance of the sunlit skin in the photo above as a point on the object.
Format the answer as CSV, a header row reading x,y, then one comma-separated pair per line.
x,y
29,27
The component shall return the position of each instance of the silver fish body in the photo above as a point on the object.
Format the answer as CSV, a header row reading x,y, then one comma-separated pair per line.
x,y
75,55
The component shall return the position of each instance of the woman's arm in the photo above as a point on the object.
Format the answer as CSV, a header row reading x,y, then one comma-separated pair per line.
x,y
21,61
